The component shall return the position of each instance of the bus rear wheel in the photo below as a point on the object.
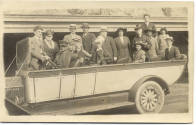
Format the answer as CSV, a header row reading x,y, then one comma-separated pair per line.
x,y
149,98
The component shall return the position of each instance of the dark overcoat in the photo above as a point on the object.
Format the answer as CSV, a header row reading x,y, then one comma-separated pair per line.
x,y
123,48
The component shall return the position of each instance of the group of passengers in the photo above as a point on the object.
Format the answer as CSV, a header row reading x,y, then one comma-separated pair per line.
x,y
75,50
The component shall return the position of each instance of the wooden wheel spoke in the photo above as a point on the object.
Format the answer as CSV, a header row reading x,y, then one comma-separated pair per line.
x,y
153,103
150,107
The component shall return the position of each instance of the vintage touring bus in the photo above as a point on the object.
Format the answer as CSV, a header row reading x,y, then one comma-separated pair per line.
x,y
85,89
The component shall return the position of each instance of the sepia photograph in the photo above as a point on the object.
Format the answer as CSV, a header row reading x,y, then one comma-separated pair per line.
x,y
102,61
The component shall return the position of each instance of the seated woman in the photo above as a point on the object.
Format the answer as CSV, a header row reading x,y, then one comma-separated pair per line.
x,y
172,52
123,47
50,48
141,38
139,55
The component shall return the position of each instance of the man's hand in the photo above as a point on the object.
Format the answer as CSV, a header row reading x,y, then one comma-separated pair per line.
x,y
45,58
183,56
90,55
115,58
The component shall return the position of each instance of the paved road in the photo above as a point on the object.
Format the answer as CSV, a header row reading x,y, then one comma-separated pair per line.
x,y
175,102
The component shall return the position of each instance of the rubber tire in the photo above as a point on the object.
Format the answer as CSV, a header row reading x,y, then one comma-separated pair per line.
x,y
161,97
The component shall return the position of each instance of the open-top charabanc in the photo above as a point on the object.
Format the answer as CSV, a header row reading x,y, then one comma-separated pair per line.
x,y
90,88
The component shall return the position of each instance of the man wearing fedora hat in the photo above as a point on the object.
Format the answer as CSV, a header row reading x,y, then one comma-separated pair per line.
x,y
36,44
172,52
72,37
108,46
87,38
66,56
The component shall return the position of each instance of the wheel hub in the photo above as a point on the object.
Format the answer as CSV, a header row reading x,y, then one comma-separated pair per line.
x,y
149,99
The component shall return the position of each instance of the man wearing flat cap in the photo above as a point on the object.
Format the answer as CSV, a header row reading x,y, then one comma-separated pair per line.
x,y
108,46
87,38
36,46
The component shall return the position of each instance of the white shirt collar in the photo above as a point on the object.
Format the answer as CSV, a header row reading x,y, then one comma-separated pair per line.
x,y
147,23
169,47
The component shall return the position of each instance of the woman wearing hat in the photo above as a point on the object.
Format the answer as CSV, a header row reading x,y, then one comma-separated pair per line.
x,y
50,47
141,38
162,41
139,55
123,46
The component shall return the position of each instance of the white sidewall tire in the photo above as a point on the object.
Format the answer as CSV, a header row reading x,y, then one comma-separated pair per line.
x,y
159,91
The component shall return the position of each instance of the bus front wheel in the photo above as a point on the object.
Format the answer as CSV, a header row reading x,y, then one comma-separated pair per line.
x,y
149,97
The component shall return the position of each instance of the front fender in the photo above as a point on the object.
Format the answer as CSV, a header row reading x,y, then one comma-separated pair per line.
x,y
160,81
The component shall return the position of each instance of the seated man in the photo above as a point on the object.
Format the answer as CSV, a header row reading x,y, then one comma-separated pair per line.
x,y
81,55
65,56
172,52
102,57
139,55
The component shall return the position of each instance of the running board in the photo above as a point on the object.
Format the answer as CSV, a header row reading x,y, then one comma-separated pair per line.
x,y
77,105
87,109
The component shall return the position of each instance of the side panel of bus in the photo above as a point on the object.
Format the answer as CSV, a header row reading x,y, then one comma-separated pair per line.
x,y
82,82
120,80
67,86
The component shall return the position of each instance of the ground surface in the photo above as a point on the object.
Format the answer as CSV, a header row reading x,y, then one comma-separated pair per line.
x,y
175,102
